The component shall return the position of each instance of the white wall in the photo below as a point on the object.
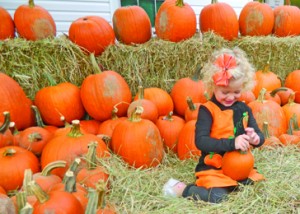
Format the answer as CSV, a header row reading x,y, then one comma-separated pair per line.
x,y
66,11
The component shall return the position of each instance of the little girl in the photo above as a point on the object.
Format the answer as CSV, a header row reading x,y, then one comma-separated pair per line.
x,y
219,129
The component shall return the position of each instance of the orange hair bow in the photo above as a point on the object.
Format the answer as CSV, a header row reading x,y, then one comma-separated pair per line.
x,y
225,62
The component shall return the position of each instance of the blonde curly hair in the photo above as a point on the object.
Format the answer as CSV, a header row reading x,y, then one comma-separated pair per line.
x,y
243,69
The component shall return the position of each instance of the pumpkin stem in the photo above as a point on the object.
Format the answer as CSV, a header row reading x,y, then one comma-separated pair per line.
x,y
21,198
53,165
38,118
73,167
290,127
27,209
190,103
34,137
75,129
291,100
179,3
295,122
9,152
274,92
93,196
70,182
100,186
136,115
13,128
169,116
266,68
287,2
40,194
27,178
214,1
6,122
261,96
140,93
265,130
94,63
114,112
31,3
91,156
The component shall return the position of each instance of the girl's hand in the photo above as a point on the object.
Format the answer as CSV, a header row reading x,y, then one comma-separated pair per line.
x,y
253,136
242,142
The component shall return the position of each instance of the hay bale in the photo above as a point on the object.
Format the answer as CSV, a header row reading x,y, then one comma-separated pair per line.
x,y
157,63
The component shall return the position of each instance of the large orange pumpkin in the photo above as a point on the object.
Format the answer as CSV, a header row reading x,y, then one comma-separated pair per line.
x,y
92,33
237,165
256,19
138,141
7,26
220,18
132,25
59,100
290,82
175,21
34,22
187,87
287,21
14,100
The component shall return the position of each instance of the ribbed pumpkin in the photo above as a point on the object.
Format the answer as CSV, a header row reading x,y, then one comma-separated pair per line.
x,y
161,98
70,146
7,26
138,141
290,82
59,100
270,140
186,147
93,33
269,111
103,91
287,20
175,21
132,25
169,127
191,112
292,109
266,79
256,19
237,164
184,87
14,160
34,22
14,100
220,18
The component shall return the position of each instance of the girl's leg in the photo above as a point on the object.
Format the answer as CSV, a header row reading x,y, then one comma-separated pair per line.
x,y
213,195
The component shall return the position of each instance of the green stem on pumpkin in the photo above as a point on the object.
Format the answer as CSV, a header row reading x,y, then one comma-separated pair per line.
x,y
75,129
169,116
261,95
140,93
91,158
9,152
100,187
190,103
287,2
39,193
94,63
265,130
295,122
38,118
27,178
31,3
73,167
70,182
291,100
214,1
6,122
91,207
136,115
13,128
179,3
274,92
27,209
53,165
21,199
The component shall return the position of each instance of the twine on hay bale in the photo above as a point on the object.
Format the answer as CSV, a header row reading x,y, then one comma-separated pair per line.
x,y
157,63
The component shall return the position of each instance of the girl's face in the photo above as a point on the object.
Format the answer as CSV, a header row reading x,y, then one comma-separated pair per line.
x,y
228,95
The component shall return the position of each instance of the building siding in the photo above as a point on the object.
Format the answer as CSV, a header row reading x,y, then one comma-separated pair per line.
x,y
65,12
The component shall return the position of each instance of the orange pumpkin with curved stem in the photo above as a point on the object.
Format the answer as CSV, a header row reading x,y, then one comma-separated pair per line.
x,y
7,27
6,137
175,21
34,22
191,112
270,140
237,164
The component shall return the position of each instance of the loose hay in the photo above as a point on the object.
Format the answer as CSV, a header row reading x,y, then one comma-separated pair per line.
x,y
140,191
157,63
